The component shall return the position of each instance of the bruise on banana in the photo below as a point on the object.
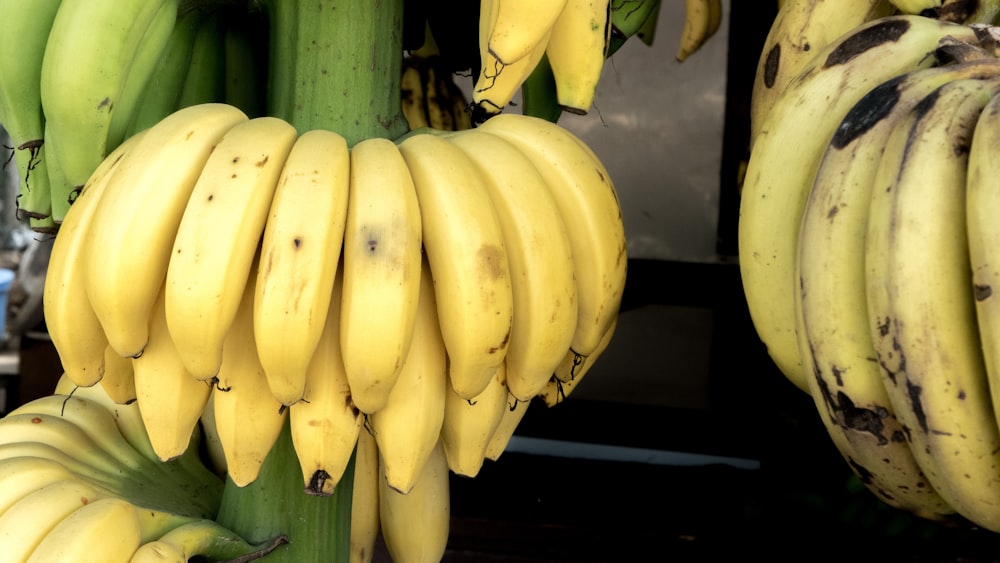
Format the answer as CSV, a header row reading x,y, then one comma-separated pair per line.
x,y
846,414
886,31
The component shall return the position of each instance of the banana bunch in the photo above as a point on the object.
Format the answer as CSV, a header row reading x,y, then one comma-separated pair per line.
x,y
75,464
869,259
438,284
89,74
430,96
569,39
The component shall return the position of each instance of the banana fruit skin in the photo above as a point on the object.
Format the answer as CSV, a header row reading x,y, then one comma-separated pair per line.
x,y
72,539
468,260
925,333
415,525
833,324
299,259
217,236
702,19
518,26
576,49
382,261
801,29
774,192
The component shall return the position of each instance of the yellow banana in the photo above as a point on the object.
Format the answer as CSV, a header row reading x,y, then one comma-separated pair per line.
x,y
541,261
118,380
415,525
408,426
364,500
325,424
561,385
134,226
382,264
470,423
519,26
468,261
217,237
299,259
701,22
83,535
576,51
30,520
514,410
21,476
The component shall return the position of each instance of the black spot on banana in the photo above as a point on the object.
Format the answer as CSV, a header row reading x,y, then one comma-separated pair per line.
x,y
869,38
871,109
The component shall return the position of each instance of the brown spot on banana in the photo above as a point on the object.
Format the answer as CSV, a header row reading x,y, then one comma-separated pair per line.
x,y
982,292
868,38
772,63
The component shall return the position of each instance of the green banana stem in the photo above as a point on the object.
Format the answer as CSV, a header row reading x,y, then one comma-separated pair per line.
x,y
334,65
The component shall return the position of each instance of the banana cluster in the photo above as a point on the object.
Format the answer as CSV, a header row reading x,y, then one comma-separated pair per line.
x,y
89,74
423,291
430,96
869,245
75,465
573,38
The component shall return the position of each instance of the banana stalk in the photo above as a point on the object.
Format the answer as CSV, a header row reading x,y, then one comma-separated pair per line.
x,y
319,82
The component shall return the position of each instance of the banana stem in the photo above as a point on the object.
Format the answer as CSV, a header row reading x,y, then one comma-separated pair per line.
x,y
334,65
337,65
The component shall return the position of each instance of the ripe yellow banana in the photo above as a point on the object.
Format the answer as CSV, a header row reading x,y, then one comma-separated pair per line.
x,y
775,190
30,520
72,324
569,374
585,195
299,259
365,525
514,411
118,380
415,525
576,50
133,228
921,305
205,538
701,21
241,388
83,535
519,26
21,476
801,29
217,237
915,6
468,260
833,317
470,423
541,261
498,82
325,424
381,273
170,400
408,426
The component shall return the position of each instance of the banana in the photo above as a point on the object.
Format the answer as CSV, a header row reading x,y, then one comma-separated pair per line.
x,y
585,195
215,457
415,525
160,95
91,47
299,259
701,21
519,26
381,274
199,538
801,29
205,79
983,234
153,44
325,424
541,261
364,500
241,390
465,248
833,326
925,333
75,538
133,228
915,6
627,19
408,426
576,49
118,380
571,371
447,109
21,476
170,400
469,424
412,95
513,412
217,236
775,191
497,83
538,93
24,30
26,524
72,324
